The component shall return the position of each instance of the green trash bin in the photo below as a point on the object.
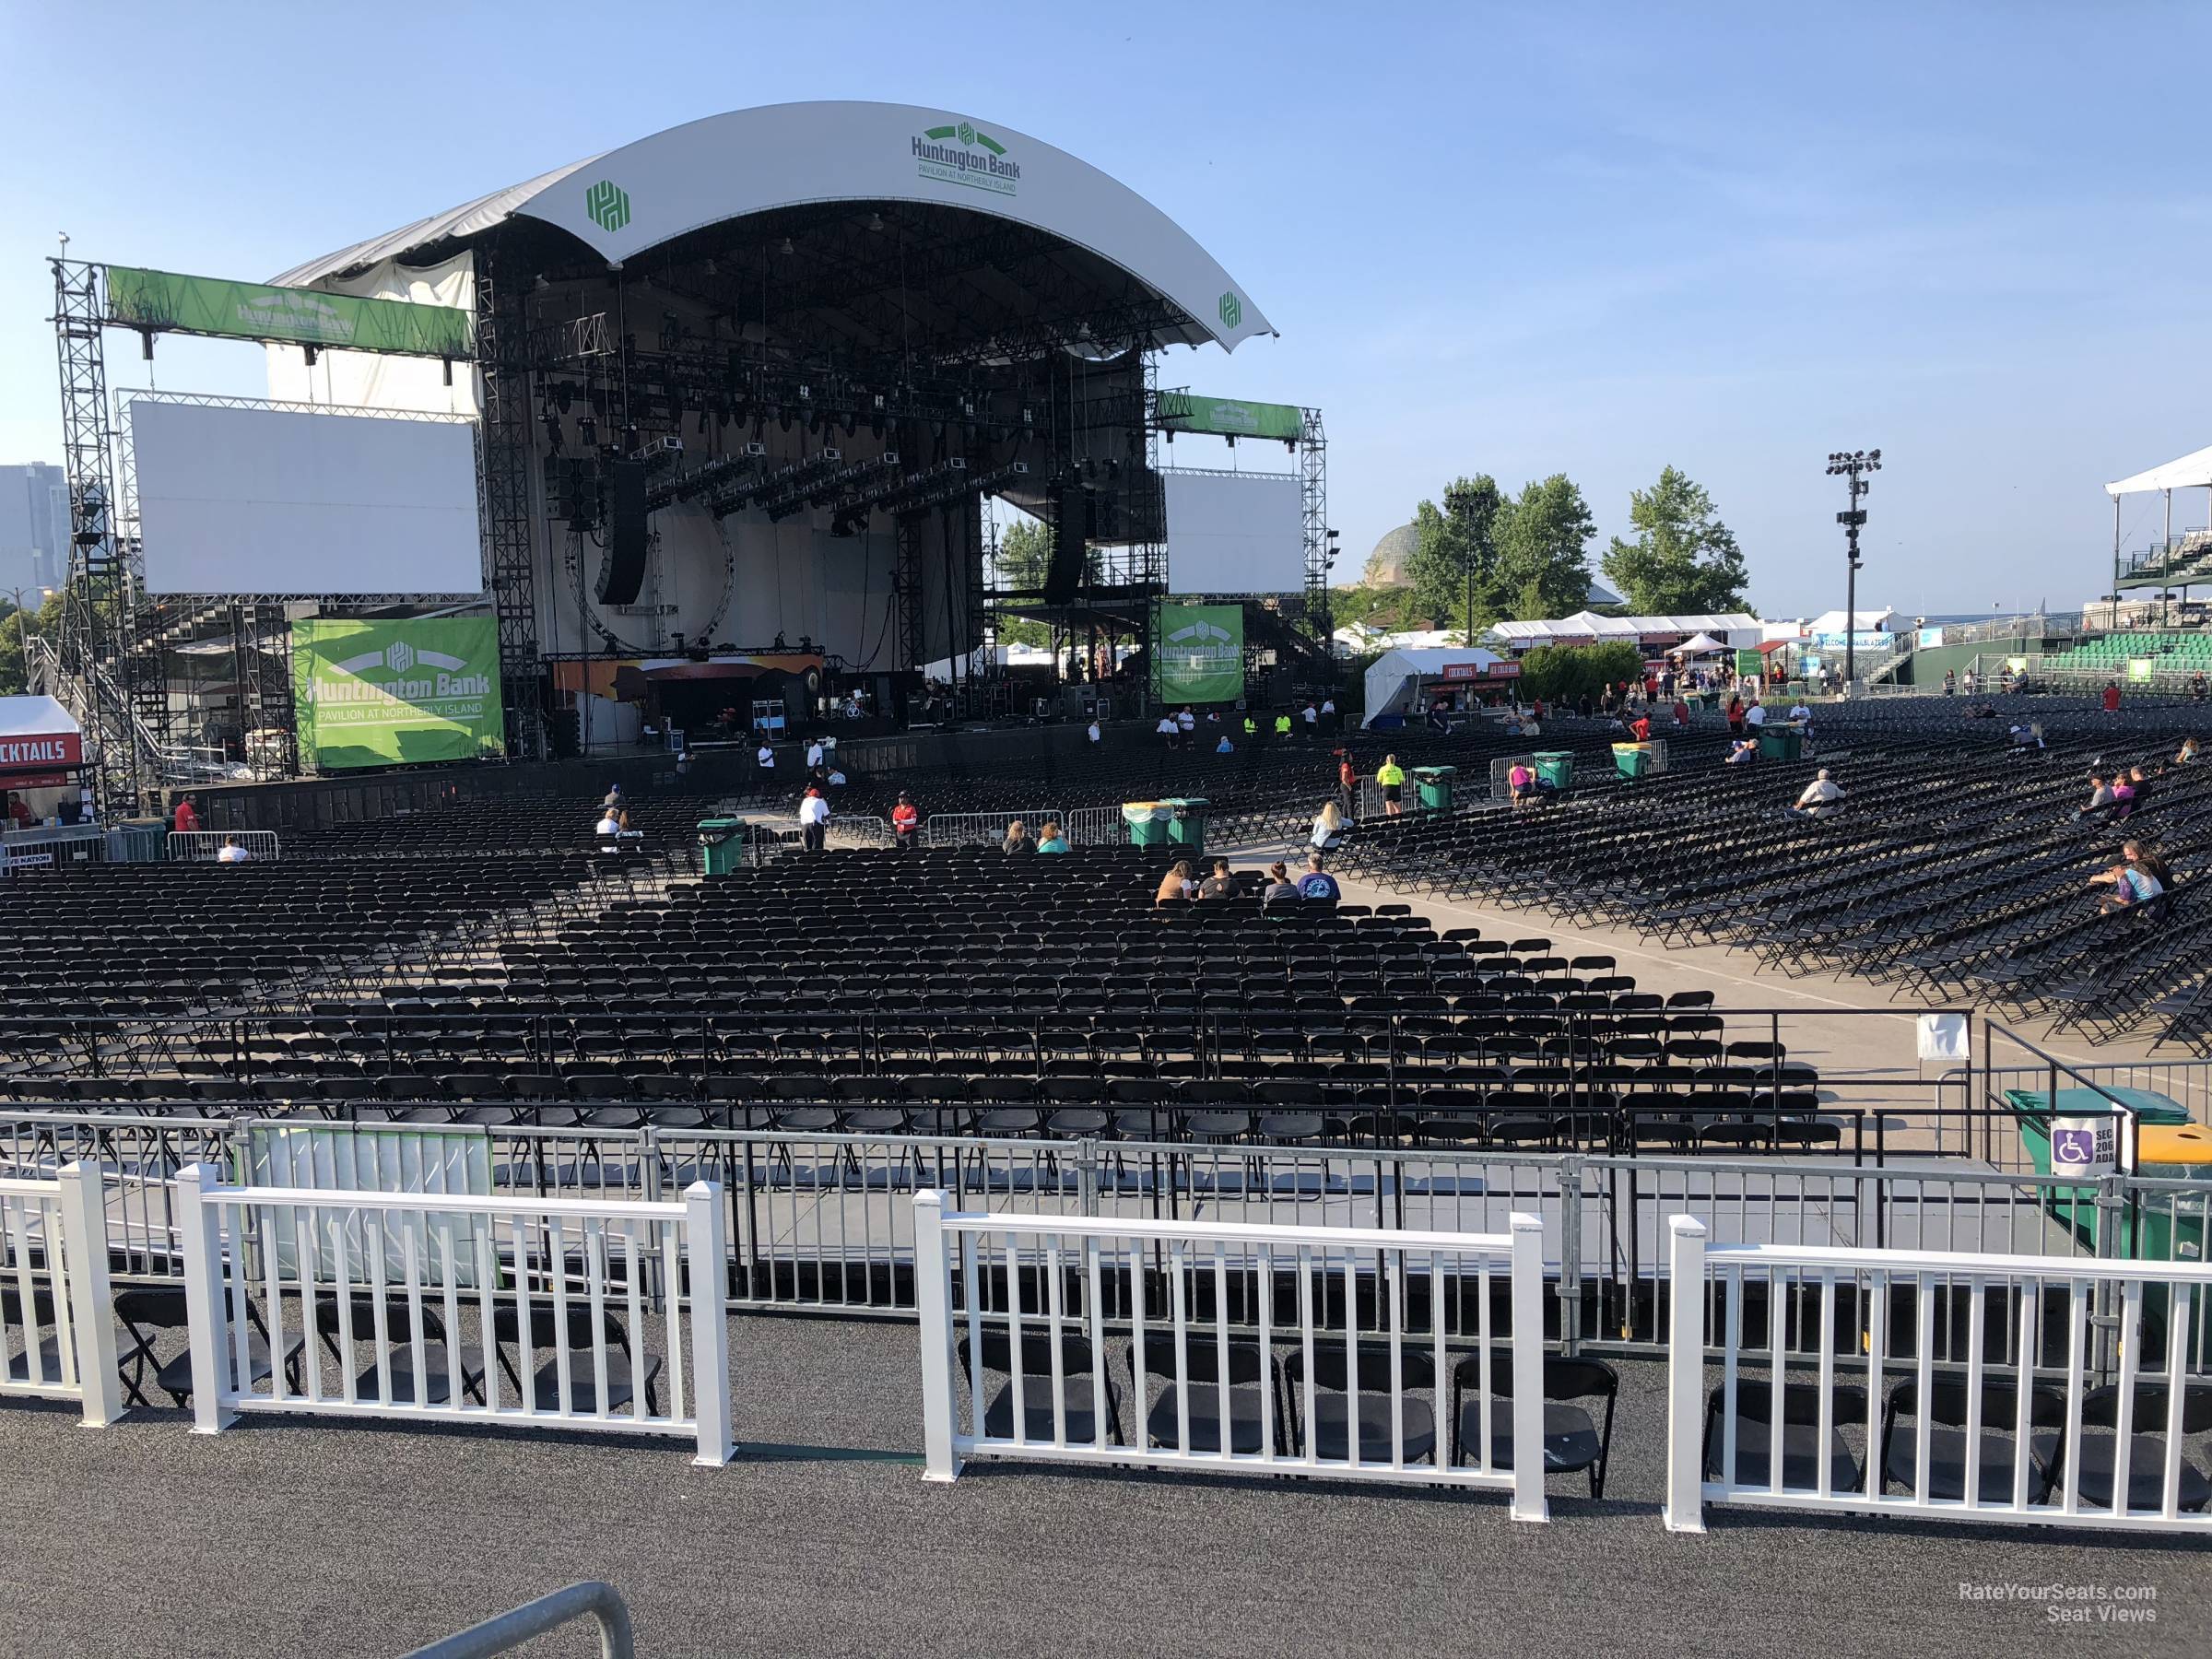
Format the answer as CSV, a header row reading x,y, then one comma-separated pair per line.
x,y
1781,743
1186,823
1147,822
2075,1207
1434,785
1554,767
138,840
1633,760
722,845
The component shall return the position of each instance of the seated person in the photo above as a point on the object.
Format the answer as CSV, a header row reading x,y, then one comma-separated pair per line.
x,y
1742,749
1317,883
2100,797
1798,711
1176,885
1280,887
2187,753
1521,781
2137,878
1821,798
1221,884
2027,737
1329,827
609,824
2124,796
1051,838
1019,839
232,853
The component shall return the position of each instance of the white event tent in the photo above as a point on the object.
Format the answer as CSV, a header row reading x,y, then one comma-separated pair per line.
x,y
1395,678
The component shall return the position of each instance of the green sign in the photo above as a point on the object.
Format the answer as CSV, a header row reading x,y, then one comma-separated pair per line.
x,y
249,310
961,153
2142,668
608,203
376,693
1200,653
1189,412
1751,661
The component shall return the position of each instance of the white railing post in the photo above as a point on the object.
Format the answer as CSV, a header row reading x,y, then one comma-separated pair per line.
x,y
932,1299
203,1308
82,1207
1528,1368
1684,1510
707,1270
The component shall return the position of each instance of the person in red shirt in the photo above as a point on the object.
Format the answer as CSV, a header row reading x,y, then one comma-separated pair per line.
x,y
188,819
1348,786
19,812
1641,729
1681,712
2112,696
906,823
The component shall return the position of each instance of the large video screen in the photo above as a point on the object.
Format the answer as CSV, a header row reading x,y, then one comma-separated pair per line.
x,y
1235,533
262,500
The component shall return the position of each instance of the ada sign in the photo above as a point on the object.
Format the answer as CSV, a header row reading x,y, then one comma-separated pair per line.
x,y
2084,1147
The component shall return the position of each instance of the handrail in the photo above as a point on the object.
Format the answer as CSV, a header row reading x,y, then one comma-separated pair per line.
x,y
591,1598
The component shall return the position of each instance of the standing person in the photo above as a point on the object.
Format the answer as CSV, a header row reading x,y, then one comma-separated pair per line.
x,y
1390,777
1093,732
1282,728
814,753
814,820
1581,706
764,757
1312,719
1639,728
1186,723
1950,682
1735,715
1169,732
1019,839
1328,715
1966,682
2112,696
906,824
188,817
1347,785
1756,715
19,812
1682,712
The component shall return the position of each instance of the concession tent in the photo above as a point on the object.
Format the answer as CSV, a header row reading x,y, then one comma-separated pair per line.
x,y
1395,678
39,740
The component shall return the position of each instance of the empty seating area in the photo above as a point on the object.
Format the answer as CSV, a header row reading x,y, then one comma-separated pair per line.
x,y
1958,866
2171,654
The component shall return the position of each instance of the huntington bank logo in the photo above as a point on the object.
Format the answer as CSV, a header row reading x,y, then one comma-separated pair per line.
x,y
608,205
1232,310
964,156
407,673
399,656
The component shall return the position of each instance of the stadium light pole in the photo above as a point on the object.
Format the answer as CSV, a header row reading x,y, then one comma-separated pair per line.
x,y
1853,465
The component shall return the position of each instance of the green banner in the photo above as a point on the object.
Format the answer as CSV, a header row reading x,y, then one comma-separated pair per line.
x,y
1751,661
1200,653
1189,412
249,310
376,693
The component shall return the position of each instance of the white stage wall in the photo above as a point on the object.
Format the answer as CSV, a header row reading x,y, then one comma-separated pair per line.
x,y
257,501
1235,533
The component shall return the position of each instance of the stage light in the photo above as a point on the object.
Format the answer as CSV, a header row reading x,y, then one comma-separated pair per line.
x,y
875,222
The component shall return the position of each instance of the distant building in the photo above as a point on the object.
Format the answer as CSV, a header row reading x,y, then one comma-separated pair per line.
x,y
34,526
1385,567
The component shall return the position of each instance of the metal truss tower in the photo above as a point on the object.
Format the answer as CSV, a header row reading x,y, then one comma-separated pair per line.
x,y
96,651
502,353
1314,494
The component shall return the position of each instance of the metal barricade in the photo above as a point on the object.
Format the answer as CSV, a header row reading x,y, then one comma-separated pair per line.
x,y
983,829
206,846
1095,827
857,829
36,852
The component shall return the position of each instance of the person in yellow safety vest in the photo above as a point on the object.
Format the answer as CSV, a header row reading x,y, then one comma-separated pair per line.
x,y
1251,726
1390,777
1282,726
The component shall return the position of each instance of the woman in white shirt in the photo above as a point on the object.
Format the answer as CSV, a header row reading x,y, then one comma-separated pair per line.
x,y
1328,828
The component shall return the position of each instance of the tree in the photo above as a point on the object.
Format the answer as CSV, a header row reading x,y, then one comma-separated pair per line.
x,y
1454,565
1543,565
1025,548
1562,672
1684,561
42,621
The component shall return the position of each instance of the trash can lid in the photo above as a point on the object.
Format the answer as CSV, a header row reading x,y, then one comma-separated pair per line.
x,y
1555,754
1435,772
2150,1106
721,823
2180,1144
1186,801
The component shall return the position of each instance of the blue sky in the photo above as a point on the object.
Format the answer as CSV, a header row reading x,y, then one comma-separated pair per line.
x,y
1515,240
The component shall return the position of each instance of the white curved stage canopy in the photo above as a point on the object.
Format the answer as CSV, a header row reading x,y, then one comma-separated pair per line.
x,y
2192,471
749,161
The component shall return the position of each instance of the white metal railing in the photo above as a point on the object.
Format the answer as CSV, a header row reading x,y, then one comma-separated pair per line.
x,y
983,829
206,846
285,1286
54,1279
2072,1406
856,830
1282,1390
52,848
